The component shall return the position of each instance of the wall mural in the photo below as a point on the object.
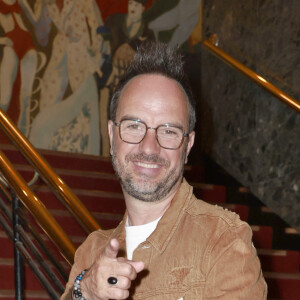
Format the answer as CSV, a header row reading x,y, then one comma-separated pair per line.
x,y
60,60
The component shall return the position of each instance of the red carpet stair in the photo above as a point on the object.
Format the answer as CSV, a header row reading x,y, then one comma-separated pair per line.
x,y
93,180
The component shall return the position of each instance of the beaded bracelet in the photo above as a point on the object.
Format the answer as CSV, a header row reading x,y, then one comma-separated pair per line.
x,y
76,287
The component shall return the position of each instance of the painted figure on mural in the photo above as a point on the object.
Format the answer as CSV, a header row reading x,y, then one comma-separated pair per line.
x,y
39,18
70,71
179,21
126,33
129,28
19,58
76,23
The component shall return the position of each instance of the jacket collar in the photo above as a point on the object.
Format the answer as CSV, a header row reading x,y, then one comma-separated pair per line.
x,y
167,224
172,217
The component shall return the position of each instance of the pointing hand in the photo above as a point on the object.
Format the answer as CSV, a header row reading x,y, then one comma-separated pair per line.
x,y
122,272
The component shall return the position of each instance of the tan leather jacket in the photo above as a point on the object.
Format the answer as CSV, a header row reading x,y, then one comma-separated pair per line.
x,y
198,251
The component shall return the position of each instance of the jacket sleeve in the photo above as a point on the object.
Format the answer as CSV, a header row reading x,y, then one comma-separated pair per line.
x,y
234,270
85,255
76,269
80,263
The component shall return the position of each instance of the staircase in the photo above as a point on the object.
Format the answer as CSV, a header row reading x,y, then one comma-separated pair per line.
x,y
93,180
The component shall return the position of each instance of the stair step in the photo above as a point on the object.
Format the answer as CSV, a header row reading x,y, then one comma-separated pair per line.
x,y
242,195
79,180
265,216
282,261
209,192
262,236
96,201
57,159
194,173
6,249
70,225
288,238
96,182
29,295
283,286
7,276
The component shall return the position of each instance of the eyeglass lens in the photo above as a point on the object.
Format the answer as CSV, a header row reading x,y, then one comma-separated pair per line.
x,y
133,131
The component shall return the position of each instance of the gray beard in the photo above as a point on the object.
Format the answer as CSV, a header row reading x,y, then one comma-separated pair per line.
x,y
143,190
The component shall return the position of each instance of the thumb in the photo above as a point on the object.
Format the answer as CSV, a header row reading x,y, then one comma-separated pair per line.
x,y
138,265
112,248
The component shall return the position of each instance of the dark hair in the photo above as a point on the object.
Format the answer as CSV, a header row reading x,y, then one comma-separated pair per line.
x,y
143,2
155,58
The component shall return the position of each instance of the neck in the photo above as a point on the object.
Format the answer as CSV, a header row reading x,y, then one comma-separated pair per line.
x,y
140,212
131,20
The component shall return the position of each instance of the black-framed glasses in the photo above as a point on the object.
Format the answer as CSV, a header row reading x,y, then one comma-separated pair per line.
x,y
134,131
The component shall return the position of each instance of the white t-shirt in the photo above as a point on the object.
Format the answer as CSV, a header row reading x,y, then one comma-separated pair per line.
x,y
136,235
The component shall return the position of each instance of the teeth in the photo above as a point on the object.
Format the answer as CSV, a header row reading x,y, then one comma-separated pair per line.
x,y
150,166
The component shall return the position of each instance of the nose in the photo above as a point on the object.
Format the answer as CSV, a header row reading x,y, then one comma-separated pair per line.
x,y
149,144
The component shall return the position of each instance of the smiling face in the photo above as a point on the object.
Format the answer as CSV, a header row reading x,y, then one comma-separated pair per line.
x,y
146,171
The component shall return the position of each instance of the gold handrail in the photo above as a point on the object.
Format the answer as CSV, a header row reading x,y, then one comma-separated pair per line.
x,y
62,191
286,99
43,217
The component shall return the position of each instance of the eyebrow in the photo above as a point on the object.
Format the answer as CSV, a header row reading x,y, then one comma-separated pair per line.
x,y
132,117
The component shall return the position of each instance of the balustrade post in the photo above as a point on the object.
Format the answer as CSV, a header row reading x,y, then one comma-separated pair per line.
x,y
18,260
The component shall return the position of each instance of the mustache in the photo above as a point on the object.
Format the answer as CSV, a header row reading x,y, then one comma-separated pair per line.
x,y
153,158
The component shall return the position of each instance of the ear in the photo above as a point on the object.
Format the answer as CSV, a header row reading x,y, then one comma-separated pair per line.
x,y
110,126
189,145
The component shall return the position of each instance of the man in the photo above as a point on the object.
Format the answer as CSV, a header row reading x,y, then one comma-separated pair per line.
x,y
169,245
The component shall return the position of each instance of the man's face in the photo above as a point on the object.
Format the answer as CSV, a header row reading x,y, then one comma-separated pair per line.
x,y
135,10
147,171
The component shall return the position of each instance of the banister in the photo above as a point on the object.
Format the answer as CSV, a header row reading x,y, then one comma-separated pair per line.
x,y
62,191
285,98
40,213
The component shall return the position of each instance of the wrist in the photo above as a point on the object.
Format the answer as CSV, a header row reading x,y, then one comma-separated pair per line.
x,y
77,292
